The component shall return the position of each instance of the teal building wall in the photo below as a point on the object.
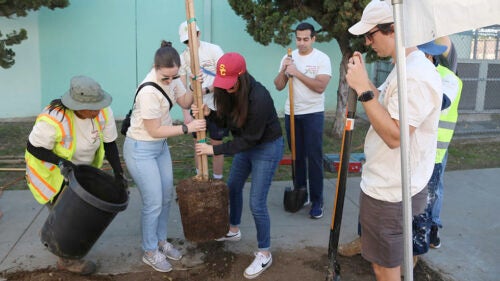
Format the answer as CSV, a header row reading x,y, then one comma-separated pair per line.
x,y
114,42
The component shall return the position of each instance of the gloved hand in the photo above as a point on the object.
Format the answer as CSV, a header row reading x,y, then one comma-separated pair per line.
x,y
121,181
66,167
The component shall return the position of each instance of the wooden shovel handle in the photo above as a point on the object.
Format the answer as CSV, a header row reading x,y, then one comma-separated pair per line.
x,y
292,113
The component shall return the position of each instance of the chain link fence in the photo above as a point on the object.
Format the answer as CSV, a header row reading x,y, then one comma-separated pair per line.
x,y
478,53
478,44
479,68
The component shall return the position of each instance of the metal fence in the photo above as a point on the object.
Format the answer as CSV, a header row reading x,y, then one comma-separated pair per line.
x,y
484,43
479,68
478,54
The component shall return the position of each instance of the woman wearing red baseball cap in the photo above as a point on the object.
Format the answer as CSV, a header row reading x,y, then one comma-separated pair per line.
x,y
247,109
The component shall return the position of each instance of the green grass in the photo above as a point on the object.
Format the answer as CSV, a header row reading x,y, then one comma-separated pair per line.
x,y
13,136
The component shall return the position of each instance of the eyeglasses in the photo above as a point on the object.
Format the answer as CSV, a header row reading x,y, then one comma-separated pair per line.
x,y
171,78
369,35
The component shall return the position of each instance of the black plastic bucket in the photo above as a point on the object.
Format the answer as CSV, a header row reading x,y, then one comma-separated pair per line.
x,y
82,212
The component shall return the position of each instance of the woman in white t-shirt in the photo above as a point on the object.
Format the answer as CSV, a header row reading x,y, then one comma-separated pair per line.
x,y
147,154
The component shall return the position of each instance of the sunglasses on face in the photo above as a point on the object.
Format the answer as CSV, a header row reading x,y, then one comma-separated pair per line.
x,y
171,78
369,35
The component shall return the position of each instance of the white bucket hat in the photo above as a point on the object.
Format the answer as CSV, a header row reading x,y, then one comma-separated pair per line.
x,y
85,93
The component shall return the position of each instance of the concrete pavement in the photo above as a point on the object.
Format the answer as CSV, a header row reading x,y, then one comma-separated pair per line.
x,y
470,237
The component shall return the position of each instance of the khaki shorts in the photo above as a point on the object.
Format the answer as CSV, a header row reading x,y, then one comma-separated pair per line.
x,y
382,237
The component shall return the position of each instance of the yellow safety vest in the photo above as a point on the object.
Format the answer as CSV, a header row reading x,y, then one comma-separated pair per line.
x,y
44,179
448,117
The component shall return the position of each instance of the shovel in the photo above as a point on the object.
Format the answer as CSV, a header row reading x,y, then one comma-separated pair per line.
x,y
333,273
293,199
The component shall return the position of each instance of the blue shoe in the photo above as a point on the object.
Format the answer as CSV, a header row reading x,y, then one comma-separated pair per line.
x,y
316,210
435,240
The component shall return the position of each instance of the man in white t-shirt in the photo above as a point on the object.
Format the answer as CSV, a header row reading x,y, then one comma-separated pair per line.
x,y
311,72
208,55
380,199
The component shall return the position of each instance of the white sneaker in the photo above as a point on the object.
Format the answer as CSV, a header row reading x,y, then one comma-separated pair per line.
x,y
231,236
170,252
259,264
157,261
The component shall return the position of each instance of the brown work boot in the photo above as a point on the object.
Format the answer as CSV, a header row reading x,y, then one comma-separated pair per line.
x,y
82,267
415,260
350,249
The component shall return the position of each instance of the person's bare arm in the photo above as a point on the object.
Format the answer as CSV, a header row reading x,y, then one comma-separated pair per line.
x,y
317,84
282,79
385,126
156,130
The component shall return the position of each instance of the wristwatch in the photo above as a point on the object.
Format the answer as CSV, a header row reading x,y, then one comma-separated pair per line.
x,y
366,96
185,129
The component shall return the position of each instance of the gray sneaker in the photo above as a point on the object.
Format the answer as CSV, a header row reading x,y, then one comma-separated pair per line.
x,y
157,261
170,252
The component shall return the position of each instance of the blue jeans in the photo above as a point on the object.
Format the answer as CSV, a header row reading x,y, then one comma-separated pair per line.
x,y
261,162
150,165
308,152
435,189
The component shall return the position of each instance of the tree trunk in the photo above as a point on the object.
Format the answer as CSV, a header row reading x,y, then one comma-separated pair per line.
x,y
342,92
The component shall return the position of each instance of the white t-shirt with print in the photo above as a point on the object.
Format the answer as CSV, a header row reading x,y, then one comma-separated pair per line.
x,y
86,137
381,175
305,100
151,104
208,55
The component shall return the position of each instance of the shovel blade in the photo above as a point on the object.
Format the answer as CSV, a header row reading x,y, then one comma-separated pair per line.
x,y
294,199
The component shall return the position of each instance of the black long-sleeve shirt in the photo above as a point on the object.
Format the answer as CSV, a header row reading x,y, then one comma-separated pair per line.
x,y
261,126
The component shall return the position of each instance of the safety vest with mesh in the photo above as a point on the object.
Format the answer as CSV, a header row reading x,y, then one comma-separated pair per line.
x,y
448,117
44,179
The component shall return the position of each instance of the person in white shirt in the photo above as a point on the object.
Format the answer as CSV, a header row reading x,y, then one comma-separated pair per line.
x,y
208,55
381,215
147,154
311,72
77,129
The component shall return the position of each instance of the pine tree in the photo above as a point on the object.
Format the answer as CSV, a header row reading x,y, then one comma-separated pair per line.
x,y
20,8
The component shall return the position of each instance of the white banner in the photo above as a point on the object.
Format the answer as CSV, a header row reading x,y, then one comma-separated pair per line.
x,y
425,20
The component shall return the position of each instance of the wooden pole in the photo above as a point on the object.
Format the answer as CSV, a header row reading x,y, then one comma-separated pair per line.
x,y
292,120
12,169
195,69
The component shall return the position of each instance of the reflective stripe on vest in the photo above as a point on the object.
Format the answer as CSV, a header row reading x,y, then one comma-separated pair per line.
x,y
102,119
64,127
40,185
448,118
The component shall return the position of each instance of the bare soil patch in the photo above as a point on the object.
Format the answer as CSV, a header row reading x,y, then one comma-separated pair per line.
x,y
219,264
